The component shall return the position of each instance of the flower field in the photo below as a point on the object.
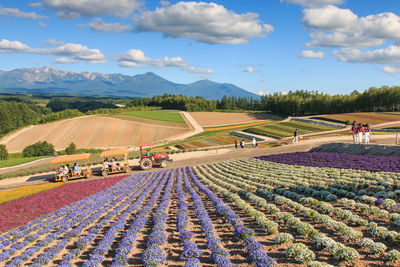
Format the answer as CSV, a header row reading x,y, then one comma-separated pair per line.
x,y
280,130
248,212
372,118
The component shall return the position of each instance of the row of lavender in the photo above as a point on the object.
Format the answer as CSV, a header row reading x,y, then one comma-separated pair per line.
x,y
337,160
92,226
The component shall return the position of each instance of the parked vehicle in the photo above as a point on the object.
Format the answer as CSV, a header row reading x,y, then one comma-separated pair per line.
x,y
149,159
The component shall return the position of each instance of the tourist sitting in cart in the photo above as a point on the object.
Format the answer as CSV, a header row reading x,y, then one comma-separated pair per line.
x,y
76,169
60,172
106,164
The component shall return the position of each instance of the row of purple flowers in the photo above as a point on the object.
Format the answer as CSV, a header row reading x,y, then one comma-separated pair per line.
x,y
337,160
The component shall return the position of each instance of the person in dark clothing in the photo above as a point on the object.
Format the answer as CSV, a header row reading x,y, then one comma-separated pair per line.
x,y
295,137
236,144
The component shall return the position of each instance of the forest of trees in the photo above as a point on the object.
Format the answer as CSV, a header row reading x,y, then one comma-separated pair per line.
x,y
296,103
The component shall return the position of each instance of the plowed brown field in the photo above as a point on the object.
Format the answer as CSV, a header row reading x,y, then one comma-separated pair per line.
x,y
208,119
92,132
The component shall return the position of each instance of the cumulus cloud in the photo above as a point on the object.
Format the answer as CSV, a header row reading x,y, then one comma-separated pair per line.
x,y
100,25
314,3
342,28
15,12
329,18
69,9
64,60
43,25
135,58
391,70
204,22
311,54
389,55
70,50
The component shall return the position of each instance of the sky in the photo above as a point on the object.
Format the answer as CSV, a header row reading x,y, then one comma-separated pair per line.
x,y
263,46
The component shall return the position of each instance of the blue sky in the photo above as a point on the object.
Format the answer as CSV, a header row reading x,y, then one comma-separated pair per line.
x,y
333,46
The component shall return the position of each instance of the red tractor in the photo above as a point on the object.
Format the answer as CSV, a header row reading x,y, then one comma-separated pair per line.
x,y
149,159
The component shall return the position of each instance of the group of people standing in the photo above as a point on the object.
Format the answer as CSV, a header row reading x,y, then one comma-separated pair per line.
x,y
253,142
358,129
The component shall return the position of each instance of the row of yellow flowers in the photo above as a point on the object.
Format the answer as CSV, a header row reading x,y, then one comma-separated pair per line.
x,y
24,191
235,126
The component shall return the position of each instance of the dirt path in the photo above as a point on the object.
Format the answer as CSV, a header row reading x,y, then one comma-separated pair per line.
x,y
212,156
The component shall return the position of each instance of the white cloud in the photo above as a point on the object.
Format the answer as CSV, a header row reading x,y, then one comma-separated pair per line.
x,y
64,60
136,58
314,3
100,25
391,70
43,25
340,39
342,28
53,42
204,22
7,46
328,18
15,12
389,55
70,50
311,54
69,9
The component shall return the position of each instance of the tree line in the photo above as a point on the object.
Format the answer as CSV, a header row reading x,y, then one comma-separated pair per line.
x,y
294,103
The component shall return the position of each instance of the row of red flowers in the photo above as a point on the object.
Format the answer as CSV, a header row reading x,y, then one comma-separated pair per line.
x,y
21,211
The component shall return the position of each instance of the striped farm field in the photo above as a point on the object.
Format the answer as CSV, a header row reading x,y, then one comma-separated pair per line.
x,y
92,132
232,127
214,119
24,191
317,210
372,118
280,130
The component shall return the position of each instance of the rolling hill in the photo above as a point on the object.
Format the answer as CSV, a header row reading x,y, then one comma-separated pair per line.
x,y
51,81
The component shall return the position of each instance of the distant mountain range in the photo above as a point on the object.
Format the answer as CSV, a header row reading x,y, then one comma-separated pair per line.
x,y
50,81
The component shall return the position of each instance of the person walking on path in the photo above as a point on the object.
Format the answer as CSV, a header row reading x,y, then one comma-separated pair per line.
x,y
254,142
236,144
242,143
367,132
360,133
295,136
353,130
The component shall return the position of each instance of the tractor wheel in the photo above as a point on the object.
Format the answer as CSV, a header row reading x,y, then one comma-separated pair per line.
x,y
104,173
145,164
64,179
88,175
163,164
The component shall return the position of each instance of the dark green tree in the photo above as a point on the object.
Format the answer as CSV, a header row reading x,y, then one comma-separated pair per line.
x,y
3,152
71,149
38,149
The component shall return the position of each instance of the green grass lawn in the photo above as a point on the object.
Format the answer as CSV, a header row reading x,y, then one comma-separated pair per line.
x,y
157,115
14,160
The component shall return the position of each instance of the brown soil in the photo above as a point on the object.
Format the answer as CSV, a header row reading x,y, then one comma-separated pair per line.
x,y
93,131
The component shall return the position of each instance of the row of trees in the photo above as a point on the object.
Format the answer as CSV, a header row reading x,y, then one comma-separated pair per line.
x,y
179,102
296,103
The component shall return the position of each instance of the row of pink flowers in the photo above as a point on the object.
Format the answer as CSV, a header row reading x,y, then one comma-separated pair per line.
x,y
21,211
